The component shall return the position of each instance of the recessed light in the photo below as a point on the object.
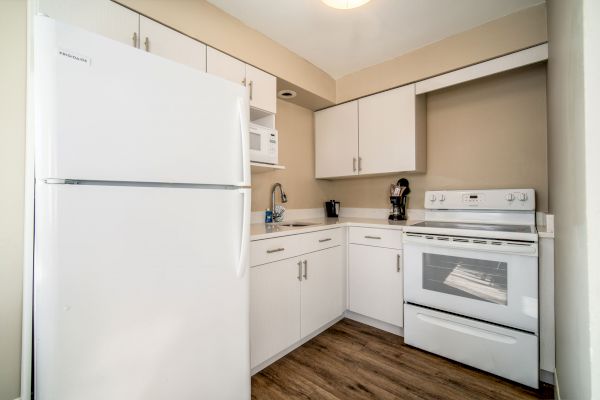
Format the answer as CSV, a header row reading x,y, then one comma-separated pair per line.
x,y
345,4
286,94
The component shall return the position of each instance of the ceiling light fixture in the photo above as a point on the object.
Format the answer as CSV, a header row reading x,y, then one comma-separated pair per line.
x,y
345,4
286,94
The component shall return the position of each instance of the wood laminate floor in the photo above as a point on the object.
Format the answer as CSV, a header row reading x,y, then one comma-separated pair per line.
x,y
355,361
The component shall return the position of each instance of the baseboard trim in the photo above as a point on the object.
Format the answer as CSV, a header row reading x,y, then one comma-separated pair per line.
x,y
375,323
293,347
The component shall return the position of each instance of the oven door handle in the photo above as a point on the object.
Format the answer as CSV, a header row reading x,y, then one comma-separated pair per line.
x,y
526,249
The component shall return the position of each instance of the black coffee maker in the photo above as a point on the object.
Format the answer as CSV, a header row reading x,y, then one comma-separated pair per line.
x,y
398,198
332,209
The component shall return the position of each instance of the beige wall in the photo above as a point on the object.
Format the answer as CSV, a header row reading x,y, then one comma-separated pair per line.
x,y
490,133
296,152
568,190
214,27
12,166
505,35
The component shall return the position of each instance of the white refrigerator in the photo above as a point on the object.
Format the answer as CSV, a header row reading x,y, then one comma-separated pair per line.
x,y
142,206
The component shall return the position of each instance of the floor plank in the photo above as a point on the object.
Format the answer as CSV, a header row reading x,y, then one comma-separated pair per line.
x,y
355,361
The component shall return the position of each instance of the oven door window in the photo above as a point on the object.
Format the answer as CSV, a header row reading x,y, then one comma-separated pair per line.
x,y
472,278
255,139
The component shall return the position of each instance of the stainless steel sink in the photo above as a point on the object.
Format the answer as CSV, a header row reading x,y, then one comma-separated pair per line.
x,y
295,224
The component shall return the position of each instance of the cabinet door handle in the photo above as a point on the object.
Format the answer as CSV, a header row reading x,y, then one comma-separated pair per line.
x,y
275,250
305,269
300,270
251,85
147,44
398,263
354,164
359,164
373,237
324,240
134,38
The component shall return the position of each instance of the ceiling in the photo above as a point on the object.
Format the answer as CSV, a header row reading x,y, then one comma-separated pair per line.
x,y
344,41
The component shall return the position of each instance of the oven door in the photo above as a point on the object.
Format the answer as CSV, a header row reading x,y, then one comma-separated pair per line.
x,y
491,280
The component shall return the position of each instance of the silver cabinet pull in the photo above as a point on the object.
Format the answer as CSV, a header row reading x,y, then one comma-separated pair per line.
x,y
300,270
354,164
305,269
275,250
398,262
373,237
147,44
134,38
251,86
324,240
359,164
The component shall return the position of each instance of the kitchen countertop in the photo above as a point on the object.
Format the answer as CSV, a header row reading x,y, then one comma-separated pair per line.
x,y
266,231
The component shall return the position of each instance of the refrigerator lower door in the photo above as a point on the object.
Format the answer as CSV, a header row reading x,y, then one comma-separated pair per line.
x,y
105,111
141,293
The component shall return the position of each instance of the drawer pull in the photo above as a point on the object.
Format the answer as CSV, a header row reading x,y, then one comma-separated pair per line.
x,y
373,237
324,240
275,250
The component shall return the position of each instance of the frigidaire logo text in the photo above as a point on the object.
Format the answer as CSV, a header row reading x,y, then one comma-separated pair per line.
x,y
74,56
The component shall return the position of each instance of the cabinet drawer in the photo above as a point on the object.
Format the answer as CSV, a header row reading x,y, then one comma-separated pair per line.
x,y
389,238
279,248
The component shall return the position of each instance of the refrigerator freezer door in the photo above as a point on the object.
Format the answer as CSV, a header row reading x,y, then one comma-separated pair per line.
x,y
110,112
139,293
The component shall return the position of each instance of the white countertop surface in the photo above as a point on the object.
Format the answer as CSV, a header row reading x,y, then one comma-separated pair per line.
x,y
266,231
543,232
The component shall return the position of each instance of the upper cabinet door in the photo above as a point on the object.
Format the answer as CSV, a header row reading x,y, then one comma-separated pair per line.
x,y
336,141
99,16
168,43
392,132
262,88
225,66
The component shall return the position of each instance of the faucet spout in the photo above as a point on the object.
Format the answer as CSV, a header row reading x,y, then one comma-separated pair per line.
x,y
282,193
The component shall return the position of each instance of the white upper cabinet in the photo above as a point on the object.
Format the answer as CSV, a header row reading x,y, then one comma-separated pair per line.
x,y
100,16
336,141
225,66
263,89
380,134
168,43
391,132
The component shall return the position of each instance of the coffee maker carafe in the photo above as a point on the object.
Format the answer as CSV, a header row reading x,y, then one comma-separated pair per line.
x,y
398,199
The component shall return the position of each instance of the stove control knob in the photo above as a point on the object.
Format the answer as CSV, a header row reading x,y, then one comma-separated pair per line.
x,y
442,197
523,196
509,197
432,197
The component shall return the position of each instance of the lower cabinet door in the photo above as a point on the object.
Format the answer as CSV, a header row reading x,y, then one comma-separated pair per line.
x,y
274,308
375,283
323,283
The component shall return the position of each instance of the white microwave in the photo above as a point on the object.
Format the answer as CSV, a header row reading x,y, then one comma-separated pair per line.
x,y
263,144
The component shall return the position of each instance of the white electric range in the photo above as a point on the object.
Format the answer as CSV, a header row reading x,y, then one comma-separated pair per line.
x,y
471,281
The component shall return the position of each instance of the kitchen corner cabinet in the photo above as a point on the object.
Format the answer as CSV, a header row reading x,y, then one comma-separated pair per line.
x,y
291,298
380,134
100,16
168,43
336,141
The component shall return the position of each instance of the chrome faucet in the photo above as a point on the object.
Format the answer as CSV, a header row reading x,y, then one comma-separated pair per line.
x,y
283,197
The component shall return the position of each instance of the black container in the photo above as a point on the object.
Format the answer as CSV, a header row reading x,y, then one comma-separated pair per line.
x,y
332,209
398,211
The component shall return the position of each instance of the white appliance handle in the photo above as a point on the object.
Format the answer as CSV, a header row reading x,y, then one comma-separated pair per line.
x,y
466,329
243,261
244,132
527,249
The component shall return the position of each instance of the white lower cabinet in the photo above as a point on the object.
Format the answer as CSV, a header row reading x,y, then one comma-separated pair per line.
x,y
375,287
274,308
322,289
292,298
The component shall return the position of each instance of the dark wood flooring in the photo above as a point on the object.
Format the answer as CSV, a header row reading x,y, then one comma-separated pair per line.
x,y
355,361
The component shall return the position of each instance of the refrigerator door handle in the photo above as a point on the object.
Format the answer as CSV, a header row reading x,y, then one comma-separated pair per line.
x,y
244,132
243,262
